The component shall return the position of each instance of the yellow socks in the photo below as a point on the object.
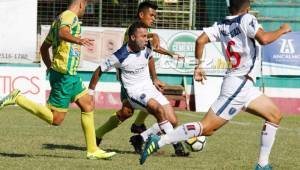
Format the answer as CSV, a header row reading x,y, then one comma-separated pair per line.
x,y
140,119
87,122
109,125
36,109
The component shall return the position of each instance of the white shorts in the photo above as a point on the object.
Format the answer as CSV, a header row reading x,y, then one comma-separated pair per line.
x,y
236,94
140,97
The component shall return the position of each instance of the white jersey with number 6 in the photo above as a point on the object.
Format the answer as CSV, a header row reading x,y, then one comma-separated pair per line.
x,y
236,33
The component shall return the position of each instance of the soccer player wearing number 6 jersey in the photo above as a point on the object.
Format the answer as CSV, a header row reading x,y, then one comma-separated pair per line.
x,y
237,33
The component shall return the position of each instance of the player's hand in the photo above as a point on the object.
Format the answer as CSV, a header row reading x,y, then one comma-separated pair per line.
x,y
199,75
86,42
159,85
285,28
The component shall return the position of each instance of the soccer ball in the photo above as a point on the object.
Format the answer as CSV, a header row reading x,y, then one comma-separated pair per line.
x,y
195,144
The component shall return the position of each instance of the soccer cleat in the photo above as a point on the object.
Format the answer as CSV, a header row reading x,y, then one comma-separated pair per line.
x,y
137,142
98,141
150,147
138,128
179,150
10,99
100,154
267,167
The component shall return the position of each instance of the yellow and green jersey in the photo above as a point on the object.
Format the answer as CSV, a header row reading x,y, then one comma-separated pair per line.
x,y
66,55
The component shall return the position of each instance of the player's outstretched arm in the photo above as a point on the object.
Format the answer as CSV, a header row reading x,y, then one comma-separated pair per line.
x,y
199,73
157,83
45,54
64,34
265,38
94,80
157,48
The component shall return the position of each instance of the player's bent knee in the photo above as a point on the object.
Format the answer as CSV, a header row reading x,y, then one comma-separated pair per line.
x,y
124,114
57,120
276,116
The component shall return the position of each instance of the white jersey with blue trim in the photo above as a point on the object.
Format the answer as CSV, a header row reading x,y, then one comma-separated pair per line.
x,y
132,67
236,33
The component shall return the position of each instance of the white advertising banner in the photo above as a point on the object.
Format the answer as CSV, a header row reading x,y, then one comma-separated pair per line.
x,y
183,42
108,40
18,31
30,80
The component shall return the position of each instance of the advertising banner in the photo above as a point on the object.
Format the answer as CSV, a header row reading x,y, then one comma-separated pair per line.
x,y
282,57
30,80
108,40
18,31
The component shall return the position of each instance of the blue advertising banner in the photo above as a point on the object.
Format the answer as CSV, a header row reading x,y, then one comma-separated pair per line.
x,y
282,57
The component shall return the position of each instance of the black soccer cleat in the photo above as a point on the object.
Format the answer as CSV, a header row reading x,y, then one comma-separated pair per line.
x,y
138,128
98,141
180,151
137,142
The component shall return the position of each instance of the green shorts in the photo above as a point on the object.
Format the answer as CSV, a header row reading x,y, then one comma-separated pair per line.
x,y
64,89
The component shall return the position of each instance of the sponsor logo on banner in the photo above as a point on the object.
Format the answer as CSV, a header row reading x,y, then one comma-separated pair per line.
x,y
31,82
287,47
282,57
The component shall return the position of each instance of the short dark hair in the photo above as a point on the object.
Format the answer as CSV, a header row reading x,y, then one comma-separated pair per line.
x,y
237,5
146,5
133,27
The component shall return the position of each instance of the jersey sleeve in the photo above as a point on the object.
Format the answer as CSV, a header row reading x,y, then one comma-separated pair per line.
x,y
109,63
250,25
49,38
67,19
213,33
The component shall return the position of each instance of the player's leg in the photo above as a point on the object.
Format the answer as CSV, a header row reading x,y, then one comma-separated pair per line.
x,y
263,107
114,120
139,124
87,121
36,109
210,123
86,105
206,127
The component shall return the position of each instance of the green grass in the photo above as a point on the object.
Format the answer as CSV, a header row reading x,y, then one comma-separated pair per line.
x,y
28,143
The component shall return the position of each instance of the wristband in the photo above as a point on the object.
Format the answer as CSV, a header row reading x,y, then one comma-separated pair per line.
x,y
91,92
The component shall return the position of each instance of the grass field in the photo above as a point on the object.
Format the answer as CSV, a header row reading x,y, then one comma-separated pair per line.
x,y
28,143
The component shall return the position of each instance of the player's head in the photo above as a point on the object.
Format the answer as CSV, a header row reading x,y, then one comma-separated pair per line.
x,y
147,13
137,33
238,6
79,5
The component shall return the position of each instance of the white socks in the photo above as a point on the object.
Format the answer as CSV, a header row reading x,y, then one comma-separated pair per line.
x,y
181,133
155,129
166,127
267,139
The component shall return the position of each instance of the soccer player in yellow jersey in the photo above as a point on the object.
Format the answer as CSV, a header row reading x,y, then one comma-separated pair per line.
x,y
66,85
147,15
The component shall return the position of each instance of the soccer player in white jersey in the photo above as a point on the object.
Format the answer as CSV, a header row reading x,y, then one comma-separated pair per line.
x,y
131,60
237,33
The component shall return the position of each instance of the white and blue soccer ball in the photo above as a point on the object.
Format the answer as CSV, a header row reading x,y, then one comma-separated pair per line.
x,y
195,144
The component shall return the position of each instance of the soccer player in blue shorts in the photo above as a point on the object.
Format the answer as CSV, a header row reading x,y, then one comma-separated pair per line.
x,y
237,33
66,86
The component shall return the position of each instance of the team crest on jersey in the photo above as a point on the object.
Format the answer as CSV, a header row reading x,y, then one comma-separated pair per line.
x,y
232,110
143,96
75,51
287,47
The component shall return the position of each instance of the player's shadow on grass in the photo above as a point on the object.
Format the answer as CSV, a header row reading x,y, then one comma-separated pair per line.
x,y
66,147
14,155
120,151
